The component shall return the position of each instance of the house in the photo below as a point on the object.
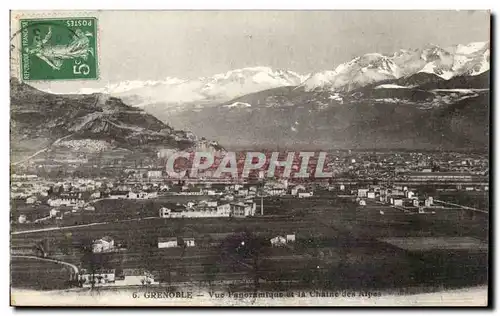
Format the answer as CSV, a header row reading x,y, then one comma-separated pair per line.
x,y
154,174
21,219
212,203
342,187
370,195
168,209
362,202
66,202
242,209
210,192
31,200
189,242
224,209
167,242
416,203
105,244
100,276
96,195
278,241
398,202
53,212
302,195
276,191
164,212
298,189
290,238
362,193
243,192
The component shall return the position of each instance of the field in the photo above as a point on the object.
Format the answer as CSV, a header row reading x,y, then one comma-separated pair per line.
x,y
26,273
337,242
473,199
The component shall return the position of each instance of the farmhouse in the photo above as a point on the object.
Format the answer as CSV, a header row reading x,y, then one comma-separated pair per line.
x,y
302,195
189,242
167,242
243,209
278,241
99,277
290,238
105,244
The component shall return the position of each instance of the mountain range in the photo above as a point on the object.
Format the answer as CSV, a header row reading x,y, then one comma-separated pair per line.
x,y
429,97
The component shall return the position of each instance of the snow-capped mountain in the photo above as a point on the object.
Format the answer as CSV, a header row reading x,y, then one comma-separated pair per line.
x,y
220,87
173,93
360,71
469,60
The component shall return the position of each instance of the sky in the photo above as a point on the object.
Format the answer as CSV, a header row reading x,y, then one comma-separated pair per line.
x,y
153,45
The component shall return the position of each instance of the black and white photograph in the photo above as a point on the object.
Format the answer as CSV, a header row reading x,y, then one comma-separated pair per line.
x,y
250,158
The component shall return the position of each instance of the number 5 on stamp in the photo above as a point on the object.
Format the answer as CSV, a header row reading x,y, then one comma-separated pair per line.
x,y
59,49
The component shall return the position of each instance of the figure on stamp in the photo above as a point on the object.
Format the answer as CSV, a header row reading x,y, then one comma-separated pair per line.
x,y
55,55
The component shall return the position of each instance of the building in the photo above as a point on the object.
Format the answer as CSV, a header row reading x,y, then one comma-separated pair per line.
x,y
362,193
443,177
278,241
102,276
416,203
290,238
105,244
370,195
21,219
362,202
410,194
242,209
276,191
302,195
167,242
66,202
164,212
96,195
169,209
298,188
155,174
31,200
224,209
398,202
53,212
141,195
189,242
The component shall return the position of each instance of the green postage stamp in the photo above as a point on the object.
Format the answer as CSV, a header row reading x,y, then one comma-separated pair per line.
x,y
57,49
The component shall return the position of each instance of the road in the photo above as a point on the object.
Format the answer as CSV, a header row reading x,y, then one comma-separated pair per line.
x,y
72,266
76,226
461,206
41,150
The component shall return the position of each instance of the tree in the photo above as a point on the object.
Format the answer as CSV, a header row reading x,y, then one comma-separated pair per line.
x,y
246,250
42,248
92,261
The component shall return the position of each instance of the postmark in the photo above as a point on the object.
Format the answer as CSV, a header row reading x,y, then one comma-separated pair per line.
x,y
59,49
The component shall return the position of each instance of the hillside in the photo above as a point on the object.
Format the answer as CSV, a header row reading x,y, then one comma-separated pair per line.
x,y
40,119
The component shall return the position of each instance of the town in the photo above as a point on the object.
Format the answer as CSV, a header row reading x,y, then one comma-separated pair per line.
x,y
279,212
